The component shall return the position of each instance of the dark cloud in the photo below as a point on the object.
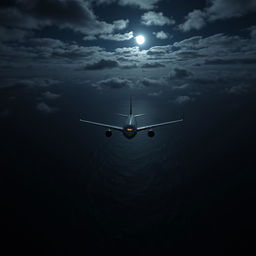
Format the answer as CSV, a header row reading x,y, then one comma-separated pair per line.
x,y
184,54
196,60
181,87
230,61
102,64
76,15
217,10
253,31
152,65
224,9
142,4
45,43
219,46
180,73
113,83
128,66
189,42
155,94
148,82
13,35
31,82
48,48
241,88
45,108
50,95
5,113
156,19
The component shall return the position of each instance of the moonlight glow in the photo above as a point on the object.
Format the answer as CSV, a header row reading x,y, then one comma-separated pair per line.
x,y
140,39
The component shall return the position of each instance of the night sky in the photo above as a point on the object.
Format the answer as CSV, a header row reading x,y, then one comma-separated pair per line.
x,y
67,189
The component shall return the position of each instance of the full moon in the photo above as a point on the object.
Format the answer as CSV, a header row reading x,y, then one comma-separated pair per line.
x,y
140,39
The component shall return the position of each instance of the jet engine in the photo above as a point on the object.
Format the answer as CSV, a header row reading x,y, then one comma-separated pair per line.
x,y
151,133
108,133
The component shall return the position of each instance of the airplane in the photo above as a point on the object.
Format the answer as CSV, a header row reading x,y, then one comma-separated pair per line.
x,y
130,128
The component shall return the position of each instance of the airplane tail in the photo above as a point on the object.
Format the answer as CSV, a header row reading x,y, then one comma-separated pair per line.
x,y
130,105
131,109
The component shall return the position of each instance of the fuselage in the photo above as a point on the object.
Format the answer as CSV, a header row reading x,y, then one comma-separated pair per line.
x,y
130,127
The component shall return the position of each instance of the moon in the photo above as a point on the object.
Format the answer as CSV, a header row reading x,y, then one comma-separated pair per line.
x,y
140,39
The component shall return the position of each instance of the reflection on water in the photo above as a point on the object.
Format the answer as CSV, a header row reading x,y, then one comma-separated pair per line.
x,y
131,184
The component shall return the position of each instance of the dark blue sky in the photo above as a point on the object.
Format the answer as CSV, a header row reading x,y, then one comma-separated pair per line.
x,y
67,189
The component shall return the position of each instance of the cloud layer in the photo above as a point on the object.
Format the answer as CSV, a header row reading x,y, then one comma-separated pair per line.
x,y
152,18
217,10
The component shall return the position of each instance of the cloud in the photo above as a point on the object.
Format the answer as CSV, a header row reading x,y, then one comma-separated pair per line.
x,y
50,95
90,37
217,10
101,64
113,83
233,61
238,89
32,82
155,94
253,31
156,19
76,15
141,4
128,66
44,108
45,43
194,20
182,99
118,37
159,50
148,82
180,73
5,113
215,49
120,24
13,35
197,61
181,87
152,65
48,48
224,9
161,35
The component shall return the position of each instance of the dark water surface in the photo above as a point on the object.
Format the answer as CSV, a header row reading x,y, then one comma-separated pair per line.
x,y
66,188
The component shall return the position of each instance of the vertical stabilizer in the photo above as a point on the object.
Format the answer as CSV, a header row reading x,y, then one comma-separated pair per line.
x,y
130,105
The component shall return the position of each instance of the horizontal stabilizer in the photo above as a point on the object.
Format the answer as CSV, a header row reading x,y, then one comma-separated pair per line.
x,y
122,115
138,115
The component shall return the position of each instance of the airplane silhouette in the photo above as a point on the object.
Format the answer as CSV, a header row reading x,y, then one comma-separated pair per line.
x,y
130,128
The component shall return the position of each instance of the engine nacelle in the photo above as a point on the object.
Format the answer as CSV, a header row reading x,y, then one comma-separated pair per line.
x,y
108,133
151,133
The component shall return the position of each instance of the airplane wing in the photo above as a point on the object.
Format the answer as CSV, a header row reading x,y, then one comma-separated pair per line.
x,y
103,125
157,125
